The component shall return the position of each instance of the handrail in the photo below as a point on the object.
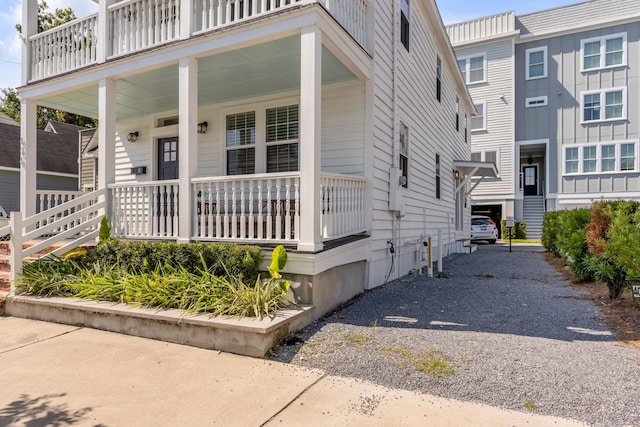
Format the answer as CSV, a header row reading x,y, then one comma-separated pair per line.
x,y
35,219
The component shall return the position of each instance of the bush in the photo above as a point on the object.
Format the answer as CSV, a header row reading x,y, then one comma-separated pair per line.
x,y
550,229
519,227
238,261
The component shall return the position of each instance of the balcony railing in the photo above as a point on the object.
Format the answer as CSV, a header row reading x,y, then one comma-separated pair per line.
x,y
139,24
261,208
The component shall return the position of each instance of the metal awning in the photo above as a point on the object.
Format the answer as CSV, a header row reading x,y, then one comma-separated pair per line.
x,y
471,169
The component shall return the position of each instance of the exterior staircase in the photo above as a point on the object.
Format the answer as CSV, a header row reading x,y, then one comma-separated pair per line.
x,y
533,214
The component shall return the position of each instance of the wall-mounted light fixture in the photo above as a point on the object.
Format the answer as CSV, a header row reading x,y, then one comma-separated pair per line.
x,y
202,127
456,174
133,136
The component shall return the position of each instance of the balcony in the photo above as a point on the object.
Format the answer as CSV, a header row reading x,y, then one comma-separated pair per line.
x,y
132,26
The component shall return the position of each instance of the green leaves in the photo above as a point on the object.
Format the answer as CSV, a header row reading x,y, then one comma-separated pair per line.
x,y
278,261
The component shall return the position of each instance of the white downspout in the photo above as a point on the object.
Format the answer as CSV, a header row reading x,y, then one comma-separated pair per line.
x,y
394,126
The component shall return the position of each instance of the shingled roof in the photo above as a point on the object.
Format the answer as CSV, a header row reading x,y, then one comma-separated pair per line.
x,y
57,147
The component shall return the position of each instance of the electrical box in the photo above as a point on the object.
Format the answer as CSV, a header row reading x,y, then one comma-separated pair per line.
x,y
395,193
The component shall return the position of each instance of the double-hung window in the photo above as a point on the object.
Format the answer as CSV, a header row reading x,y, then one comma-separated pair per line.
x,y
571,160
479,121
605,104
604,52
241,143
628,157
473,68
404,154
404,23
282,139
608,158
589,159
536,63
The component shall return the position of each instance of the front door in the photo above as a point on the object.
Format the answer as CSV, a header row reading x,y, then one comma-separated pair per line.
x,y
168,158
530,180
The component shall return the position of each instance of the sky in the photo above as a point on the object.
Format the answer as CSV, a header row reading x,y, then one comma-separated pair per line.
x,y
451,10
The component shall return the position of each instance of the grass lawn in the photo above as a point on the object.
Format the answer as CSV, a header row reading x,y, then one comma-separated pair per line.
x,y
532,241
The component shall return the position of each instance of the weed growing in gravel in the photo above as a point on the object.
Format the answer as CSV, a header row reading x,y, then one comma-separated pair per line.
x,y
432,363
358,338
530,405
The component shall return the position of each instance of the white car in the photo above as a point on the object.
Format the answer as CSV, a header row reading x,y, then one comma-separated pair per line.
x,y
483,228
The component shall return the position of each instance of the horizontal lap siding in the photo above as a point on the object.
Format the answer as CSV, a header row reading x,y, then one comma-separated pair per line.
x,y
10,191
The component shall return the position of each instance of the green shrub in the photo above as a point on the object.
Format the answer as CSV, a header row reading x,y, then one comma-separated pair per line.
x,y
238,261
572,242
520,230
550,231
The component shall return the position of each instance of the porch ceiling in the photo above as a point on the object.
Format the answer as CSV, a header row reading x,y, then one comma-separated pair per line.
x,y
257,70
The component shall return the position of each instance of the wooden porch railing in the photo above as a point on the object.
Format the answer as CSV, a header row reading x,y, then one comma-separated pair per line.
x,y
343,198
139,24
146,210
47,199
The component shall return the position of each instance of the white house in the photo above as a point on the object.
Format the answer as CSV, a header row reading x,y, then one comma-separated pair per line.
x,y
338,128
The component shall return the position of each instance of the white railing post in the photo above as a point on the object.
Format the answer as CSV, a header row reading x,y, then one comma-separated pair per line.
x,y
15,245
29,28
185,24
104,22
28,156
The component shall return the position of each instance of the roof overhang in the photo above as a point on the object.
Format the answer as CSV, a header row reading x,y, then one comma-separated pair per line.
x,y
469,169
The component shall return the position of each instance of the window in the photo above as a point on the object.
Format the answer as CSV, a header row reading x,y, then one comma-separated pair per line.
x,y
608,156
437,176
589,159
438,79
282,139
404,23
604,52
404,154
628,157
538,101
466,133
614,105
479,122
601,158
491,156
571,160
457,114
476,156
473,68
485,156
240,142
536,60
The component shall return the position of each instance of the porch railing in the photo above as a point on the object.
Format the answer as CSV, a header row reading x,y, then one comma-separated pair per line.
x,y
145,210
343,201
263,207
139,24
47,199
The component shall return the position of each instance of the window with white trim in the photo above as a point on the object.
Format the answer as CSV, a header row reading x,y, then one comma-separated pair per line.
x,y
404,23
486,156
604,52
614,101
538,101
241,143
404,154
609,157
536,63
438,79
473,68
479,121
282,139
437,176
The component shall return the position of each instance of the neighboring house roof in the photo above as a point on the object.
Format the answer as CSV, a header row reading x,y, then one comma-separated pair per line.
x,y
57,147
4,119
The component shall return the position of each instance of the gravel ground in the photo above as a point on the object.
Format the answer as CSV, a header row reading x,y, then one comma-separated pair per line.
x,y
502,329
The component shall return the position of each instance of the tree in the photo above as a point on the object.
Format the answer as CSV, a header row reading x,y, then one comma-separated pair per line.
x,y
10,102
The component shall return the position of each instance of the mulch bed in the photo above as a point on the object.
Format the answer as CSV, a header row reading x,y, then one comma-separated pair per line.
x,y
622,315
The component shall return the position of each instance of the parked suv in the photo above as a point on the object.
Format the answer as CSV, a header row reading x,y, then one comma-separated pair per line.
x,y
483,228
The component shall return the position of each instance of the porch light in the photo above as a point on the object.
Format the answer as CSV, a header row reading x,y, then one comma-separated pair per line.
x,y
202,127
456,174
133,136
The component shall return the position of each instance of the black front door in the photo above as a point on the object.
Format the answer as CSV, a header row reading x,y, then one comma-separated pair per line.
x,y
530,180
168,158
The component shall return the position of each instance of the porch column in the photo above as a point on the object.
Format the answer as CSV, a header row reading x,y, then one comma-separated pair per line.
x,y
187,143
102,48
310,138
29,28
106,138
186,18
28,157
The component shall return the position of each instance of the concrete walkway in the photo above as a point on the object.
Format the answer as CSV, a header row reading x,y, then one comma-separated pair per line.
x,y
53,374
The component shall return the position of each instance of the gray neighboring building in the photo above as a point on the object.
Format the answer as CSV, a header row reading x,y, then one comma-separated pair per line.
x,y
557,94
57,161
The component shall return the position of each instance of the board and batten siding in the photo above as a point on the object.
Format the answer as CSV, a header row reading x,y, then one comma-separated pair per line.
x,y
498,94
561,120
431,131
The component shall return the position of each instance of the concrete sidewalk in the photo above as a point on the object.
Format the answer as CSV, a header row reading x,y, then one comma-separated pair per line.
x,y
54,374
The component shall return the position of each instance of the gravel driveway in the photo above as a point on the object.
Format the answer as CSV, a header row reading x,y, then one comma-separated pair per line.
x,y
503,329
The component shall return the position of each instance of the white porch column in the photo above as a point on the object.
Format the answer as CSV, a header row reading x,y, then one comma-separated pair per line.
x,y
186,18
310,138
187,143
103,46
28,156
29,28
106,137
